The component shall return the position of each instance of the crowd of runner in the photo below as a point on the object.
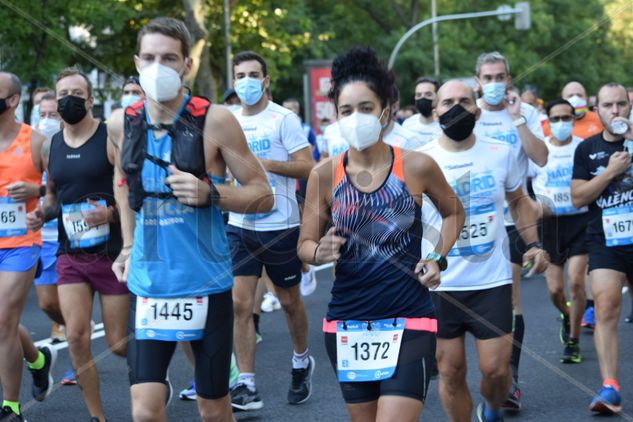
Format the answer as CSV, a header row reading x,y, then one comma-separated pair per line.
x,y
189,218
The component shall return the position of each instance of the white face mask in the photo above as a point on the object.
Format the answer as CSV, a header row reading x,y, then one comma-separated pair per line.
x,y
579,103
160,83
49,126
361,130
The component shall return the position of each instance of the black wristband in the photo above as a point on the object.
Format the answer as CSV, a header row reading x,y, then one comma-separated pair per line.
x,y
214,195
42,190
315,252
536,244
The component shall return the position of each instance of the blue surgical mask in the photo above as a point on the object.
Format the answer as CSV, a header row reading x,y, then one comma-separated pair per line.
x,y
494,92
249,90
561,130
128,100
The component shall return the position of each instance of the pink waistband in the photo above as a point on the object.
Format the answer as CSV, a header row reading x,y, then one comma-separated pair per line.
x,y
417,324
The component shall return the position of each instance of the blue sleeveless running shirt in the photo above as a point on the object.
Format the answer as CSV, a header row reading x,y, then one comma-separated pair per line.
x,y
375,276
178,250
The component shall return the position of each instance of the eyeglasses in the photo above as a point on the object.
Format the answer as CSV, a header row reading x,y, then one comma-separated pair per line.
x,y
557,119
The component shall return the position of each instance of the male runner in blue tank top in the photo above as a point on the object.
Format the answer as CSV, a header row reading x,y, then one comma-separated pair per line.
x,y
176,258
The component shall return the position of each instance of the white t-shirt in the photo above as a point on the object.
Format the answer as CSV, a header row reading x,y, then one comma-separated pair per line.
x,y
273,134
480,176
404,138
428,131
499,125
552,183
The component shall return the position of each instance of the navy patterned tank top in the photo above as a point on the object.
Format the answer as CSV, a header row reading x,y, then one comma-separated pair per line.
x,y
375,276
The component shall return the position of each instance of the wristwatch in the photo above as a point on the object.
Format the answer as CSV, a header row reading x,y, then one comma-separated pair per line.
x,y
520,121
441,261
214,195
536,244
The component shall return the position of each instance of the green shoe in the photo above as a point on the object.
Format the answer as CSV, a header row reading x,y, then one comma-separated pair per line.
x,y
571,353
564,330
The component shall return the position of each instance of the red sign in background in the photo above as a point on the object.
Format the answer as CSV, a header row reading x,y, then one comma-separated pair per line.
x,y
320,105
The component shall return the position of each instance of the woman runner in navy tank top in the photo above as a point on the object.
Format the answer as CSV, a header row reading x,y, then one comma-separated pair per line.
x,y
380,326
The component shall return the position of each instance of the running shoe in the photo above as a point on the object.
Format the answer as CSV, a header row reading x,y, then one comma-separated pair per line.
x,y
57,333
7,415
42,378
571,353
189,394
270,302
308,282
69,377
607,402
589,319
481,416
564,329
513,402
301,386
243,398
258,338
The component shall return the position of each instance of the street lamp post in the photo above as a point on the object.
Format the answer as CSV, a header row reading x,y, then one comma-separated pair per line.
x,y
521,22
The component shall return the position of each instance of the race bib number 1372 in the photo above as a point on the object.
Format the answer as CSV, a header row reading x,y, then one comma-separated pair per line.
x,y
368,350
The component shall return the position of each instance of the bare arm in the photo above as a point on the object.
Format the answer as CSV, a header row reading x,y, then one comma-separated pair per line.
x,y
253,195
525,214
115,143
444,199
315,246
535,148
299,167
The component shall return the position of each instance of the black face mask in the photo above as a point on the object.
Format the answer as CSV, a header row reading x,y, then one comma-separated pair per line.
x,y
424,106
3,105
72,109
458,123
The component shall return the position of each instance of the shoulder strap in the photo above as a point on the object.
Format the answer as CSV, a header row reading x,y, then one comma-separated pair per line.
x,y
339,173
198,106
397,169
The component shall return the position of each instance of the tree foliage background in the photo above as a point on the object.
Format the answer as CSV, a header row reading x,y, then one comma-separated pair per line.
x,y
569,40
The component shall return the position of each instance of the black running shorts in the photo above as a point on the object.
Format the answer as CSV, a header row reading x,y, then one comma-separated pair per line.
x,y
275,250
564,237
412,376
485,313
148,360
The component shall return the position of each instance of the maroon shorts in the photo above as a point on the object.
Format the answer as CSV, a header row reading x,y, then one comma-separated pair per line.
x,y
95,270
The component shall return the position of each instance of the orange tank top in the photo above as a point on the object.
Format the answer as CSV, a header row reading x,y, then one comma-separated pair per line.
x,y
16,165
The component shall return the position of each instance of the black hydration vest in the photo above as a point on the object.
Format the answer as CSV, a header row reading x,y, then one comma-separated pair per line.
x,y
187,150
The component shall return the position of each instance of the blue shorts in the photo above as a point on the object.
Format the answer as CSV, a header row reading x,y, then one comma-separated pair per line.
x,y
19,260
275,250
48,258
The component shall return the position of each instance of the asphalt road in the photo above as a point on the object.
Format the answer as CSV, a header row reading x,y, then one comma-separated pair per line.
x,y
551,391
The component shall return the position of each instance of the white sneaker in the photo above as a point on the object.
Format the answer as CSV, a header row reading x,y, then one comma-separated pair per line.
x,y
270,302
308,282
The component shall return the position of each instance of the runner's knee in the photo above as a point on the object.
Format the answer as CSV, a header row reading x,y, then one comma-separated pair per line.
x,y
493,371
214,410
242,307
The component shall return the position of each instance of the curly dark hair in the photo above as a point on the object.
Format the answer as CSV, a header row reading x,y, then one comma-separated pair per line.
x,y
362,64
